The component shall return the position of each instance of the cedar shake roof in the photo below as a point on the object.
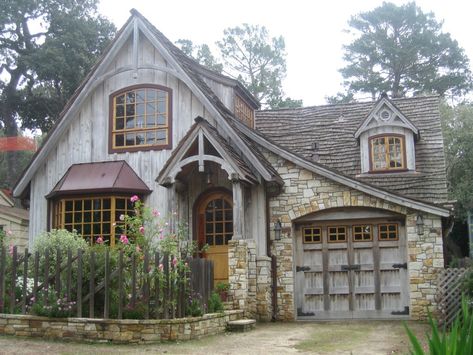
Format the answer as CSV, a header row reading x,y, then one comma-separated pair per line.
x,y
332,129
109,176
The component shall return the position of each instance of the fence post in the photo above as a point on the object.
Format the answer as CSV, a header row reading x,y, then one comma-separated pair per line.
x,y
46,277
35,276
106,285
92,285
69,274
57,279
146,284
166,294
25,281
2,279
13,278
120,284
133,280
156,284
79,283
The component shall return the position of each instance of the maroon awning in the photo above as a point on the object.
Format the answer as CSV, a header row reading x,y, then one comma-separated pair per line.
x,y
101,177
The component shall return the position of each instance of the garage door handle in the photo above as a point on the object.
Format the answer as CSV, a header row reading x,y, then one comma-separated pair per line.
x,y
302,268
350,267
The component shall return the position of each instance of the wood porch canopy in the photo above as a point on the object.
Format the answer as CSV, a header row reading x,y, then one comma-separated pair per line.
x,y
100,177
203,143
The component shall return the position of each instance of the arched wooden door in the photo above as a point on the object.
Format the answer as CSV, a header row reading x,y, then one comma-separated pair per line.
x,y
215,227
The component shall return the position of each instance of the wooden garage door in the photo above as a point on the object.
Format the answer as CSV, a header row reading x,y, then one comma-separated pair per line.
x,y
352,269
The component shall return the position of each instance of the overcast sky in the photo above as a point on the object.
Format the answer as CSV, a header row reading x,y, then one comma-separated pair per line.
x,y
313,30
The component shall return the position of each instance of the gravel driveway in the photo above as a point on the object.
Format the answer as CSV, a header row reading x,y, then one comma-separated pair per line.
x,y
349,337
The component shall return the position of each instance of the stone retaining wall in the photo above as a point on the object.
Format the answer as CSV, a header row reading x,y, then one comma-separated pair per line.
x,y
117,331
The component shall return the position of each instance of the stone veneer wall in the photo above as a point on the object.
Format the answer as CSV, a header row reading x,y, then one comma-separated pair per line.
x,y
305,192
117,331
263,288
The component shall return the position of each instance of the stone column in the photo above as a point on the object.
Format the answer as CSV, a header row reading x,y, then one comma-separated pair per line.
x,y
283,250
238,273
425,260
263,288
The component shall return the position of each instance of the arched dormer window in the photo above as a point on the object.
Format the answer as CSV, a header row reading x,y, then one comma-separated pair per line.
x,y
386,139
387,153
140,119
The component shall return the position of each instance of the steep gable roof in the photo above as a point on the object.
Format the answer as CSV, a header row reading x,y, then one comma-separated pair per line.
x,y
181,67
326,135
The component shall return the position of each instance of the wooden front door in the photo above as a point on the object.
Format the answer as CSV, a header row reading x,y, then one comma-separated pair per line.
x,y
215,227
352,269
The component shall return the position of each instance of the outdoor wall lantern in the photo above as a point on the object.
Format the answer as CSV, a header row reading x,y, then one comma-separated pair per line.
x,y
420,224
277,230
208,176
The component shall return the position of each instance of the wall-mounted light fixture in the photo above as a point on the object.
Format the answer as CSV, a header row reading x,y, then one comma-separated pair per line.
x,y
277,230
208,176
420,224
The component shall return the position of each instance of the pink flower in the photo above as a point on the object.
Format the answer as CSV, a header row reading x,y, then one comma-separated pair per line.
x,y
124,239
134,198
161,267
142,230
174,261
156,213
99,240
10,249
186,264
138,249
9,232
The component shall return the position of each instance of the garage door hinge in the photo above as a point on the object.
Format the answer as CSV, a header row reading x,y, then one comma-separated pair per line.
x,y
302,268
400,266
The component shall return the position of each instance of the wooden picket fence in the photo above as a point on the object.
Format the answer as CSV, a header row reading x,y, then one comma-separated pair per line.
x,y
449,295
160,295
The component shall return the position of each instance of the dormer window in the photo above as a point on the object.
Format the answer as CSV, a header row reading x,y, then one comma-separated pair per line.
x,y
387,140
387,153
244,112
140,119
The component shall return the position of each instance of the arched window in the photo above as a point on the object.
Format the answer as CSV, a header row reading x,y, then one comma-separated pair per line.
x,y
140,118
387,153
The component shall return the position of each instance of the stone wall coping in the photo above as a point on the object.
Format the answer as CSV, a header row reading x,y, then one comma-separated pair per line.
x,y
123,321
263,258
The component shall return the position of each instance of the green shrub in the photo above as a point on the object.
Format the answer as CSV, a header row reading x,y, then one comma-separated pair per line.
x,y
215,303
467,284
59,239
459,341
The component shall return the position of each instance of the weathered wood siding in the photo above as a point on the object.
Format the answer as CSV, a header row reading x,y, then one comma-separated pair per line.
x,y
86,139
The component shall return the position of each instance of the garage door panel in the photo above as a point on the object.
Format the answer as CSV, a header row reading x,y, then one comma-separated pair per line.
x,y
313,303
313,280
340,302
391,301
364,302
312,258
389,254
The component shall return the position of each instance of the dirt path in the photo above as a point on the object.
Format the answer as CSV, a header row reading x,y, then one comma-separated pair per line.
x,y
366,337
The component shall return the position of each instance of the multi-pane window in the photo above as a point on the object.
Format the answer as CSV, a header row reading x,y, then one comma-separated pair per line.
x,y
244,112
141,119
362,232
388,231
218,222
337,234
387,153
312,235
92,217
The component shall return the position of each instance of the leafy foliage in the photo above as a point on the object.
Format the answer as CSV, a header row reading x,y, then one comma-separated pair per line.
x,y
458,341
201,53
215,303
401,50
457,124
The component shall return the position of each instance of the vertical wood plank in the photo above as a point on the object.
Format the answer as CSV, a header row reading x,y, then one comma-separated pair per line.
x,y
157,286
166,286
350,273
171,290
325,269
57,280
46,277
2,278
69,275
25,281
377,269
79,283
92,285
13,279
106,285
133,280
120,284
35,276
146,283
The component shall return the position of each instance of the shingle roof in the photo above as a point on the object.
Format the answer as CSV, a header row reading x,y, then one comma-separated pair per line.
x,y
332,128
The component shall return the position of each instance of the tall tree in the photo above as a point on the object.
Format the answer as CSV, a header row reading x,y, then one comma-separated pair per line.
x,y
457,125
258,61
201,53
401,50
46,48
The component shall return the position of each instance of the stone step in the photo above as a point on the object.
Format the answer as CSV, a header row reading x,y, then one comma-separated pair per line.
x,y
241,325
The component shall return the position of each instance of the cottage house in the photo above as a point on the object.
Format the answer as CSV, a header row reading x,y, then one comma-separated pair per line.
x,y
313,213
13,221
